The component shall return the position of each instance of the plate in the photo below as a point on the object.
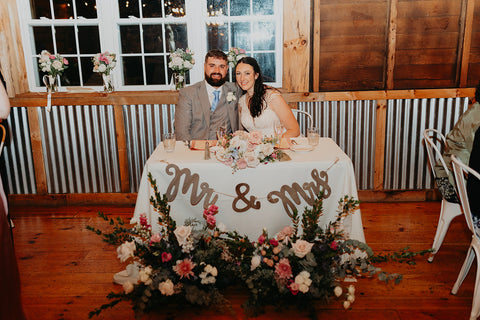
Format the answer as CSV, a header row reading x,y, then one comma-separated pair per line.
x,y
301,148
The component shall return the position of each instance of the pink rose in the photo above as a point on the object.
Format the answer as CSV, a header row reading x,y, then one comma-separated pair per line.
x,y
213,209
166,256
294,287
65,61
211,220
301,248
334,245
274,242
241,163
229,161
286,232
155,238
255,137
261,239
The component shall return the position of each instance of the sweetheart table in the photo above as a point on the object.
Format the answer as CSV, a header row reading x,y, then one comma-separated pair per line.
x,y
250,199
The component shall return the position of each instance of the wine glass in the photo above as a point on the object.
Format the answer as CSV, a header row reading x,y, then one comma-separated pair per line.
x,y
313,136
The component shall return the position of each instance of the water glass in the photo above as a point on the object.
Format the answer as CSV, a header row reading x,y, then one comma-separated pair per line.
x,y
169,142
313,136
279,129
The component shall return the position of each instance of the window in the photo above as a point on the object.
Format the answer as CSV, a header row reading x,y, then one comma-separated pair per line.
x,y
143,32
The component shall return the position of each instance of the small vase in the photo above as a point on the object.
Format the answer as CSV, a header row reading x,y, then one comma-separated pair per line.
x,y
107,82
50,82
179,80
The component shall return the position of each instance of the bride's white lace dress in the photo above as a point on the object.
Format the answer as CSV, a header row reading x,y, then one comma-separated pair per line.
x,y
265,123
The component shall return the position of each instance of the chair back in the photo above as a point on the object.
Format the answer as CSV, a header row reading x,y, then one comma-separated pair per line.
x,y
4,134
434,143
460,170
307,115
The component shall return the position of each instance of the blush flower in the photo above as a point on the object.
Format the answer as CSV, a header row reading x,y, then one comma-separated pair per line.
x,y
301,248
255,137
283,269
166,287
126,251
155,238
184,268
182,234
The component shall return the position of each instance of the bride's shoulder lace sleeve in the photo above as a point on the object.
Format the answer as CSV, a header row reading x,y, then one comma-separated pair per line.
x,y
270,94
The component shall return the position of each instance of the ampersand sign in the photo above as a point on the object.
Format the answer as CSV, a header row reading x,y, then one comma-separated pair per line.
x,y
252,203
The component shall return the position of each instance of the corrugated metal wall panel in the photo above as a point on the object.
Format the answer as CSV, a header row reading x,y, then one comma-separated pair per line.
x,y
406,165
351,124
80,149
17,154
144,126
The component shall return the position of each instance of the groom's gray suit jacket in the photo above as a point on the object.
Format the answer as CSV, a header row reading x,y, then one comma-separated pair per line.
x,y
192,113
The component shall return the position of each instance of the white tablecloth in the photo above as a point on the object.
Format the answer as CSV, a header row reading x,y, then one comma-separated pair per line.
x,y
264,182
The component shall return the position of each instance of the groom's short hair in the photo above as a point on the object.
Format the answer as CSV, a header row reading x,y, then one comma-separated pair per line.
x,y
216,53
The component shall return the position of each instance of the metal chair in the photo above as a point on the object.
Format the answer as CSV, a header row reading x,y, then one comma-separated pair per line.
x,y
434,142
307,115
459,170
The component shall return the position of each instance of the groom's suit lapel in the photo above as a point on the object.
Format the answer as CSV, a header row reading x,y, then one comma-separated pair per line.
x,y
204,102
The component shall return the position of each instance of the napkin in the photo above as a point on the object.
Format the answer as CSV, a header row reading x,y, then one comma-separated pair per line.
x,y
200,144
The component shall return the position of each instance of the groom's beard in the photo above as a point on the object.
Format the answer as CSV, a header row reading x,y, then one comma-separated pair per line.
x,y
215,82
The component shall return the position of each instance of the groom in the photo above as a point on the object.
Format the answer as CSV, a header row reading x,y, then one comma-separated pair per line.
x,y
209,104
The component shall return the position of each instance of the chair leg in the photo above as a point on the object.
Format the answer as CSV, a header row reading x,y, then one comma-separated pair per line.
x,y
476,293
464,271
448,212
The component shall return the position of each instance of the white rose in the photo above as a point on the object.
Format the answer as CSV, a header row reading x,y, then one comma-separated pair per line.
x,y
351,289
265,148
57,65
182,234
126,250
102,68
166,287
346,304
255,262
303,288
128,287
252,160
337,291
177,61
351,298
188,65
239,143
144,275
301,248
222,227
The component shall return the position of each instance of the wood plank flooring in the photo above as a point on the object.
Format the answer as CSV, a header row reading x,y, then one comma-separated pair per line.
x,y
66,270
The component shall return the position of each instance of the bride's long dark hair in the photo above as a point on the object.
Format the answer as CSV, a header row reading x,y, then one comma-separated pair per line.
x,y
256,104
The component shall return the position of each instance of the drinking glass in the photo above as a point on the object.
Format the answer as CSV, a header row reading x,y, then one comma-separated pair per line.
x,y
278,129
169,142
313,136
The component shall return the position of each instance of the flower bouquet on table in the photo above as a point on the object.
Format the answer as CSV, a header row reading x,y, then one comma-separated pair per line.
x,y
104,63
235,54
53,66
243,149
180,62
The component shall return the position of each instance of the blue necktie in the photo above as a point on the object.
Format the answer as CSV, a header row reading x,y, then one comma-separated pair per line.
x,y
216,94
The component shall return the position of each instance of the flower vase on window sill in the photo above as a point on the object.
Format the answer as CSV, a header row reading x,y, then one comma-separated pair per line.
x,y
104,63
180,62
107,82
53,65
50,83
178,81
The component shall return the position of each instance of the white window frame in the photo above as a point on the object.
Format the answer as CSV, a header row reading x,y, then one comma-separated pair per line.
x,y
108,22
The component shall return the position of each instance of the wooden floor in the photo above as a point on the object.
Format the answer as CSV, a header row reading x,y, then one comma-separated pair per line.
x,y
66,270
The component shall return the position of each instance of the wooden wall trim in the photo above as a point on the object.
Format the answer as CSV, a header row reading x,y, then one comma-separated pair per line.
x,y
37,151
122,148
296,45
465,39
171,97
316,46
380,144
57,200
391,44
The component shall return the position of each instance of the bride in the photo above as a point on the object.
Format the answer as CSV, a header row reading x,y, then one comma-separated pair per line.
x,y
262,108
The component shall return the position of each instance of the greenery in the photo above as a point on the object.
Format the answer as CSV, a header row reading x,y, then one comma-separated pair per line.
x,y
195,262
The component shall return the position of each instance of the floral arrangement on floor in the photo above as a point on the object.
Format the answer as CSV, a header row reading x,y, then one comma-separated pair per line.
x,y
235,54
193,263
104,62
51,64
243,149
180,62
